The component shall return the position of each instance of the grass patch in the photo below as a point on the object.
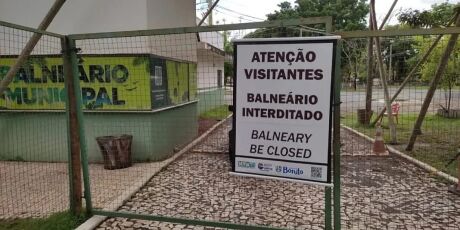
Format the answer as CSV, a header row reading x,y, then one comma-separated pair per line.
x,y
436,146
58,221
218,113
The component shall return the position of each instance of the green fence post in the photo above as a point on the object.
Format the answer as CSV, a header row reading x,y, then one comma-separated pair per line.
x,y
66,64
327,208
81,127
336,136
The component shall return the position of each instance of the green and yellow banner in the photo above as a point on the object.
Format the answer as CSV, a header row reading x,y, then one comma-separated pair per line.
x,y
107,83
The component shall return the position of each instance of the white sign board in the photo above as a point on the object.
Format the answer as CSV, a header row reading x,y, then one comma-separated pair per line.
x,y
282,108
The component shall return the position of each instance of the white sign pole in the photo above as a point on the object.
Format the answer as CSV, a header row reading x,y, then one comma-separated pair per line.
x,y
282,108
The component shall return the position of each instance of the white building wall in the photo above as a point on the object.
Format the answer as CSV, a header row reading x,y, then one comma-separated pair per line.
x,y
169,14
208,65
89,16
79,16
209,62
214,38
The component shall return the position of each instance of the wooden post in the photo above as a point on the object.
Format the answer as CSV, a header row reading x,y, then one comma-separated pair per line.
x,y
370,59
208,12
370,71
384,80
434,83
30,45
409,76
414,69
387,15
73,134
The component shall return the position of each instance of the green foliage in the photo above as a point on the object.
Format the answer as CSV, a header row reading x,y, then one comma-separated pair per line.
x,y
402,50
347,14
451,74
228,70
438,15
354,53
429,68
58,221
228,48
228,45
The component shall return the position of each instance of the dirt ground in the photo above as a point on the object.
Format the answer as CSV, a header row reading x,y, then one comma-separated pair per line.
x,y
205,124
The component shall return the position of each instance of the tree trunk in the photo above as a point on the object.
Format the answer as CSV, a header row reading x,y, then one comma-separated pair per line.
x,y
434,83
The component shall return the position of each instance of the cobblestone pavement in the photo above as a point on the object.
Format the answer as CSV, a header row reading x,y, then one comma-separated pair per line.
x,y
377,193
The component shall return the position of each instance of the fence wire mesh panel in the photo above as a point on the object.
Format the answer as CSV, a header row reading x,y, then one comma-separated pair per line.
x,y
33,131
157,122
389,191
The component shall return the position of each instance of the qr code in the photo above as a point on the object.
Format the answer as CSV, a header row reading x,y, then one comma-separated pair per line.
x,y
316,172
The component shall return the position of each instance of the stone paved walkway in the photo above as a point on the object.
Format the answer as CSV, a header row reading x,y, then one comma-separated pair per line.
x,y
377,193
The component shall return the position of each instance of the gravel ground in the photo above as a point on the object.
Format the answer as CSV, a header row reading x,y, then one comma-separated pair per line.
x,y
377,193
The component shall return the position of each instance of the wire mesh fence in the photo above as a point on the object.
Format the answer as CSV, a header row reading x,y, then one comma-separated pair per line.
x,y
33,136
184,83
147,100
197,186
395,192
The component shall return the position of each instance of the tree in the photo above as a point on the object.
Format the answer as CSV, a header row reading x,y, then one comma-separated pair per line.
x,y
399,50
438,15
451,75
347,14
228,66
443,61
354,52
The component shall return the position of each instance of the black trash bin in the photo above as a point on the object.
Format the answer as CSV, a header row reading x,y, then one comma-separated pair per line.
x,y
116,151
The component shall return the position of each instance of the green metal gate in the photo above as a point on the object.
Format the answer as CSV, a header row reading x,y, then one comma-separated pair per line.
x,y
111,70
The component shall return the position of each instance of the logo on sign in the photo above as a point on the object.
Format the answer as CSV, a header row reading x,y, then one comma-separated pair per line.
x,y
246,164
265,167
289,170
279,168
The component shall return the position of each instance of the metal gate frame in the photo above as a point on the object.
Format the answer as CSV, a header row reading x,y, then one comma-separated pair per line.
x,y
72,50
70,59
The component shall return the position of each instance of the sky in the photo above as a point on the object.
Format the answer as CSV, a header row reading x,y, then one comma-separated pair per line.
x,y
236,11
